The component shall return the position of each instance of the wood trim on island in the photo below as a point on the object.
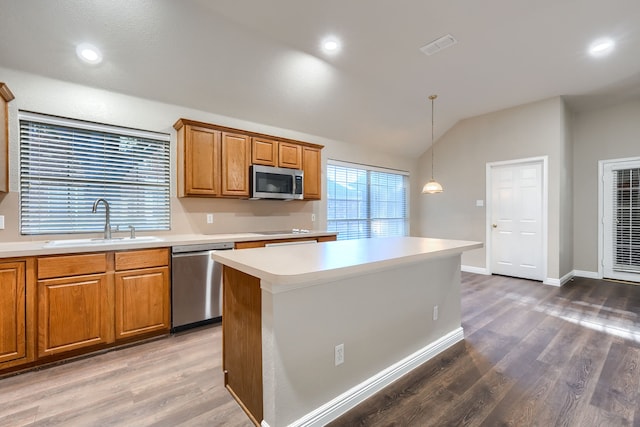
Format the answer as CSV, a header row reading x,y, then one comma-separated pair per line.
x,y
242,340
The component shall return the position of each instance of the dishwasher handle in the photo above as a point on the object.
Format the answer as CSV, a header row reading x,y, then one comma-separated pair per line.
x,y
200,253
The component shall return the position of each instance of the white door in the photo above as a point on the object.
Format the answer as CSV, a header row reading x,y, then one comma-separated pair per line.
x,y
621,220
516,220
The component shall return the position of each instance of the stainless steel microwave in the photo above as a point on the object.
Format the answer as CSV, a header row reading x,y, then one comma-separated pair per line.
x,y
268,182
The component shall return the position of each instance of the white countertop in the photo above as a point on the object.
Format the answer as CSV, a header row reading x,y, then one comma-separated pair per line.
x,y
287,267
38,247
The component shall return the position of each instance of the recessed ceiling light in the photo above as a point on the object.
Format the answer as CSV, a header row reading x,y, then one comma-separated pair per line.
x,y
601,47
331,45
89,53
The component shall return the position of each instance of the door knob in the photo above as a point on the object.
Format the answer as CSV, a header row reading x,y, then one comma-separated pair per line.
x,y
494,225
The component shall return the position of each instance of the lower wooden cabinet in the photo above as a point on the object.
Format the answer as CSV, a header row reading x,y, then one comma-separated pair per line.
x,y
16,308
142,302
74,313
91,301
263,243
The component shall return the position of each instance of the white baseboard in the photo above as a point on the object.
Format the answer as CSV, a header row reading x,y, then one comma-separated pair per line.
x,y
559,282
356,395
587,274
476,270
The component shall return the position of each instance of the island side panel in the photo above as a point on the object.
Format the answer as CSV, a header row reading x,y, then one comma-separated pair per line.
x,y
242,340
381,318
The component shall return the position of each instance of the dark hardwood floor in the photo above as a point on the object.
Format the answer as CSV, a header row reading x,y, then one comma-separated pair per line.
x,y
533,355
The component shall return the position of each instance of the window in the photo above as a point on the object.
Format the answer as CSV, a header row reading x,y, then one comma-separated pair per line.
x,y
65,165
366,201
626,215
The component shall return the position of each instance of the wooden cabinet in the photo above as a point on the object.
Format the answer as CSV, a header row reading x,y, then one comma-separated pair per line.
x,y
264,152
236,159
142,291
198,161
289,155
270,152
75,303
95,300
263,243
17,300
5,97
312,167
212,162
242,340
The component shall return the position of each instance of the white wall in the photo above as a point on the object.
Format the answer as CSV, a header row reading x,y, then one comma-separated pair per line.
x,y
611,132
531,130
43,95
380,320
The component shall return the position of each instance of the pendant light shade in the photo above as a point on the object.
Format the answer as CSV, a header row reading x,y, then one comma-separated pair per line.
x,y
433,186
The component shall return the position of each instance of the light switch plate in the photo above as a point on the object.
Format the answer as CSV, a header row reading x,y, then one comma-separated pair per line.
x,y
479,203
1,222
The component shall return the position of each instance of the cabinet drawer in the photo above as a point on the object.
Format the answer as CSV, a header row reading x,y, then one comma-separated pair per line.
x,y
147,258
71,265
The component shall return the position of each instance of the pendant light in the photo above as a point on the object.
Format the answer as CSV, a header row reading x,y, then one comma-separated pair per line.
x,y
433,186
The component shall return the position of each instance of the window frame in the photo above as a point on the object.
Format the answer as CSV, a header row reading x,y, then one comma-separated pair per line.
x,y
369,230
66,164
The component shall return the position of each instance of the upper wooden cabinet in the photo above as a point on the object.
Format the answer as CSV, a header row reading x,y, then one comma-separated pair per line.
x,y
270,152
236,159
198,159
264,152
214,161
289,155
5,97
312,167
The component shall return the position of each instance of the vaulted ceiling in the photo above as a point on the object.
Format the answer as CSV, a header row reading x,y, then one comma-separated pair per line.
x,y
262,60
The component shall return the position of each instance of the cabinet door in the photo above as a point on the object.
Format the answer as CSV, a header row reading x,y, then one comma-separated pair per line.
x,y
73,313
264,152
290,155
202,161
13,338
142,302
236,158
5,97
311,165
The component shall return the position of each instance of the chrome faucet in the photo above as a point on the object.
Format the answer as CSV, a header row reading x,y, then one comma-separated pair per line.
x,y
107,217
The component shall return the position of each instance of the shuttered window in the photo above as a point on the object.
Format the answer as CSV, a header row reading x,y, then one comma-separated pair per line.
x,y
65,165
626,216
366,201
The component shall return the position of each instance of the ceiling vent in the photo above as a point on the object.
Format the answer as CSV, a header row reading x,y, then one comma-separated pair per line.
x,y
439,44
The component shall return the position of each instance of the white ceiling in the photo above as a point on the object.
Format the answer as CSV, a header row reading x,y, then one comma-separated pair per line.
x,y
261,60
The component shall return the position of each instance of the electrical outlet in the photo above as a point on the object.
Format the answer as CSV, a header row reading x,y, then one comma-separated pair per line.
x,y
210,218
435,312
339,354
1,222
313,217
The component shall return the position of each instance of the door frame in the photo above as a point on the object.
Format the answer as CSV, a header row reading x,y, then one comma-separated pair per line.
x,y
544,162
601,228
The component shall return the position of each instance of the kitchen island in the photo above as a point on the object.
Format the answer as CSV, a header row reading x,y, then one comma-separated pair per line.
x,y
311,330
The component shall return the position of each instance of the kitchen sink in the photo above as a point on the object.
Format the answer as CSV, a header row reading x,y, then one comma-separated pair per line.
x,y
99,241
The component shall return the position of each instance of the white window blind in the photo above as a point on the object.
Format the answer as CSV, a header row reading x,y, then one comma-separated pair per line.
x,y
366,201
626,217
65,165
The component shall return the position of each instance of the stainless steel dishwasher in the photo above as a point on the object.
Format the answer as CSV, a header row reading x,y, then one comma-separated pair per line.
x,y
196,285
